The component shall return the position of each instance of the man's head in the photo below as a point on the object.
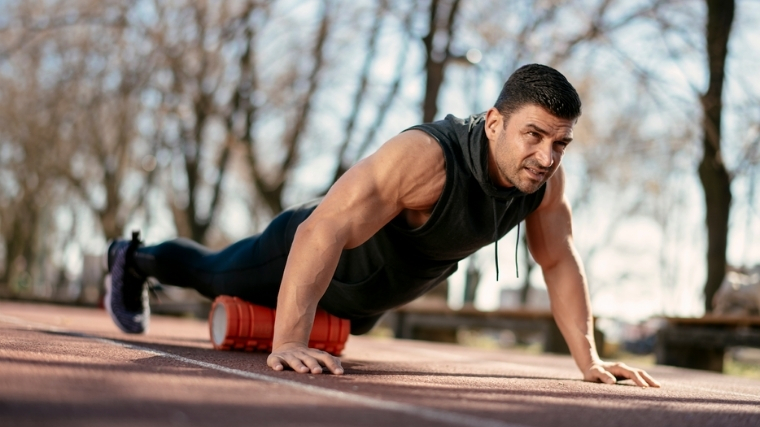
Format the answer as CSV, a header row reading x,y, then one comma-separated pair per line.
x,y
530,126
539,85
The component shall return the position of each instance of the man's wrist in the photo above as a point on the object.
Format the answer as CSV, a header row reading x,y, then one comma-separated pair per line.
x,y
288,345
586,357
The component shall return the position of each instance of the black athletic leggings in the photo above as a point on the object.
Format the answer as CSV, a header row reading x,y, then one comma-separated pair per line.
x,y
250,269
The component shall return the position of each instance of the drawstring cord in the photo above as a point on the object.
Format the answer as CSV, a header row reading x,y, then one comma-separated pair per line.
x,y
517,246
495,239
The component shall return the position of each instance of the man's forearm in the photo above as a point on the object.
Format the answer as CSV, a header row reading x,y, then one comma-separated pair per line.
x,y
308,271
571,308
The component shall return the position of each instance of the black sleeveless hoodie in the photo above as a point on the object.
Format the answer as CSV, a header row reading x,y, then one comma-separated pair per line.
x,y
399,264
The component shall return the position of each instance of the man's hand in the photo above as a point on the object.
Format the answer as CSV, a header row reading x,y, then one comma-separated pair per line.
x,y
610,372
303,360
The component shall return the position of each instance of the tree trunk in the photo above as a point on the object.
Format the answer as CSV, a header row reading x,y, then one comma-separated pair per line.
x,y
437,56
471,282
712,170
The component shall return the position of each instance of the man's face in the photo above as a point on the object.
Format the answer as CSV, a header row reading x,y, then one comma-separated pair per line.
x,y
529,149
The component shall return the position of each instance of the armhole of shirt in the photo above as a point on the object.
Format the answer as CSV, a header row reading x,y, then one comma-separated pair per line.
x,y
450,168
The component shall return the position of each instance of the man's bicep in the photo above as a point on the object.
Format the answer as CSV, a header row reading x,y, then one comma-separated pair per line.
x,y
549,233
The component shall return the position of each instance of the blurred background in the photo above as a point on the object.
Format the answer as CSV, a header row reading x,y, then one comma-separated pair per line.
x,y
204,119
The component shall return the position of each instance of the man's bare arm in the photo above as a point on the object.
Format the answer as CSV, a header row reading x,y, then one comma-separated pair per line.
x,y
405,173
550,242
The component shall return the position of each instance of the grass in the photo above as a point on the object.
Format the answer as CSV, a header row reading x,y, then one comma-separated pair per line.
x,y
741,369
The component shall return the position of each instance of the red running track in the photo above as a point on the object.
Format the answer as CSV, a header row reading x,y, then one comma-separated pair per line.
x,y
66,366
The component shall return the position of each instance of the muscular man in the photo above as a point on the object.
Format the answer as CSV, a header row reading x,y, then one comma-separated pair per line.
x,y
395,225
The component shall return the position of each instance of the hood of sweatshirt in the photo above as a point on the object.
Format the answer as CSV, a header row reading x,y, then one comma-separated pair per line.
x,y
474,143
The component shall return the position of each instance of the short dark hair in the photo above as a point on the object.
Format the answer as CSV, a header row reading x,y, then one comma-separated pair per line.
x,y
539,85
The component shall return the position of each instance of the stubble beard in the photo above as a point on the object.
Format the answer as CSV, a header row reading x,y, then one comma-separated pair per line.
x,y
527,186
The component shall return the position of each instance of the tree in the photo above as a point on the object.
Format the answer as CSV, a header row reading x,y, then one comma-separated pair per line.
x,y
438,40
713,174
190,75
36,109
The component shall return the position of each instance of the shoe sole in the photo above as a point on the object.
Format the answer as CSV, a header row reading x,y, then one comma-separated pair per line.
x,y
107,303
107,285
107,298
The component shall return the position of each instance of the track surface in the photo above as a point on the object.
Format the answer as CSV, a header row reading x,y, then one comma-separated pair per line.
x,y
70,366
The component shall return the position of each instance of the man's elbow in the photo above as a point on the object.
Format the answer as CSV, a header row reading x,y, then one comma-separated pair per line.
x,y
546,261
559,265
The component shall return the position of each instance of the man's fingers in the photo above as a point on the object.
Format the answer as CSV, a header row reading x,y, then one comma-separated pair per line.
x,y
305,361
606,377
331,363
638,376
648,378
311,363
599,374
279,361
634,375
296,363
609,373
275,363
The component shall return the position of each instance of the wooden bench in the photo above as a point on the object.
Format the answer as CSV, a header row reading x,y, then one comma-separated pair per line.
x,y
435,321
700,343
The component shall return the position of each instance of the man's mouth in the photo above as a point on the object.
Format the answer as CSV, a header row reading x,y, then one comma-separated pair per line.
x,y
536,174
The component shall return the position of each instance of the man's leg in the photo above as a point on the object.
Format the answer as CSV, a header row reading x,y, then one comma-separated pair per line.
x,y
250,269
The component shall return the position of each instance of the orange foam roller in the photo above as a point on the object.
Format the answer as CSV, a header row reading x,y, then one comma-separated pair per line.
x,y
235,324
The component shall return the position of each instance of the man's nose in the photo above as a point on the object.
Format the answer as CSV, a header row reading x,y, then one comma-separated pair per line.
x,y
544,155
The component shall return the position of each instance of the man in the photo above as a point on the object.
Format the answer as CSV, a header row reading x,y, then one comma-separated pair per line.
x,y
395,225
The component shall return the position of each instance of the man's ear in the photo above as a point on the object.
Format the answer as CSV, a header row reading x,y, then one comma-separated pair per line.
x,y
494,123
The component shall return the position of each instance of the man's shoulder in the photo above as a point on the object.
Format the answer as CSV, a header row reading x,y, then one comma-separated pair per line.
x,y
411,145
408,169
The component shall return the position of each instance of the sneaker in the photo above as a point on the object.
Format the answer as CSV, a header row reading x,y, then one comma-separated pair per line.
x,y
126,291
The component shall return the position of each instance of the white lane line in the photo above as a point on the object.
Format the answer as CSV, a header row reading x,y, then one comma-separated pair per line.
x,y
429,414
